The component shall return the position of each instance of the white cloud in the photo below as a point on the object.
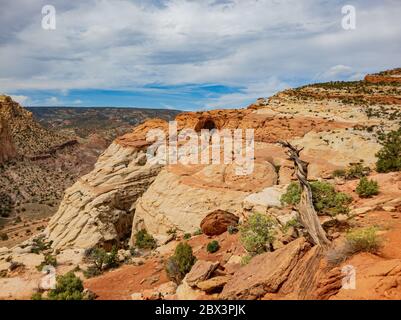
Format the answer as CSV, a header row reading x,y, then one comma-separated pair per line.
x,y
20,99
248,95
53,101
125,44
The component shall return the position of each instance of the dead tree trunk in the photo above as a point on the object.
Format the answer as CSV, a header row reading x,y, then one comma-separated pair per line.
x,y
308,215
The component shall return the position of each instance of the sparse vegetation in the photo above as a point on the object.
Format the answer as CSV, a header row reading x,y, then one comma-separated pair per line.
x,y
246,259
213,246
180,263
357,240
187,236
68,287
367,188
144,240
326,199
257,233
356,171
49,260
39,245
197,232
232,229
365,239
100,260
389,157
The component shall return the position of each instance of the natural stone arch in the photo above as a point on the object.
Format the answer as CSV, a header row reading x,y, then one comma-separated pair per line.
x,y
206,123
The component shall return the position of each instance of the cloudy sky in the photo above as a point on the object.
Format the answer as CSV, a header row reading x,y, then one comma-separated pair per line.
x,y
188,54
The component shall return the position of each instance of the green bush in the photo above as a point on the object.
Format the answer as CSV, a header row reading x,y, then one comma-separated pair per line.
x,y
293,194
144,240
213,246
111,259
367,188
232,229
92,271
180,263
364,239
100,260
257,233
246,259
357,171
49,260
39,244
197,232
187,236
339,173
389,157
326,199
37,296
68,287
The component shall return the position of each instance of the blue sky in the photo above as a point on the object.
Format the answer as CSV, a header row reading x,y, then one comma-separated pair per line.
x,y
188,55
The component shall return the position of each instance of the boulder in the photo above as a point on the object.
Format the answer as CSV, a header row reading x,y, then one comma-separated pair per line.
x,y
265,199
186,292
200,271
265,273
217,222
213,284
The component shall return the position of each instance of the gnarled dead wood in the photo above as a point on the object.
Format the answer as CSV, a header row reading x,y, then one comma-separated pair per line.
x,y
308,215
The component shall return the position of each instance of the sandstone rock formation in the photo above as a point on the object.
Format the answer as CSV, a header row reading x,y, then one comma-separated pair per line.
x,y
217,222
265,273
99,208
7,148
200,271
181,196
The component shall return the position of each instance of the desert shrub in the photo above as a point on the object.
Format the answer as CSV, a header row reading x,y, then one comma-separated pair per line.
x,y
3,236
357,171
246,259
39,244
68,287
173,271
180,263
257,233
92,271
187,236
232,229
197,232
339,173
326,199
144,240
357,240
37,296
293,194
389,157
364,239
111,259
213,246
293,223
100,260
49,260
367,188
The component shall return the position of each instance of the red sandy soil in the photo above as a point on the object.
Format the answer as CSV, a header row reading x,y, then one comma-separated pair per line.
x,y
121,283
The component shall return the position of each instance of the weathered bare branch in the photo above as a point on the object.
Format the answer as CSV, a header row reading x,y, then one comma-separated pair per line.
x,y
307,211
